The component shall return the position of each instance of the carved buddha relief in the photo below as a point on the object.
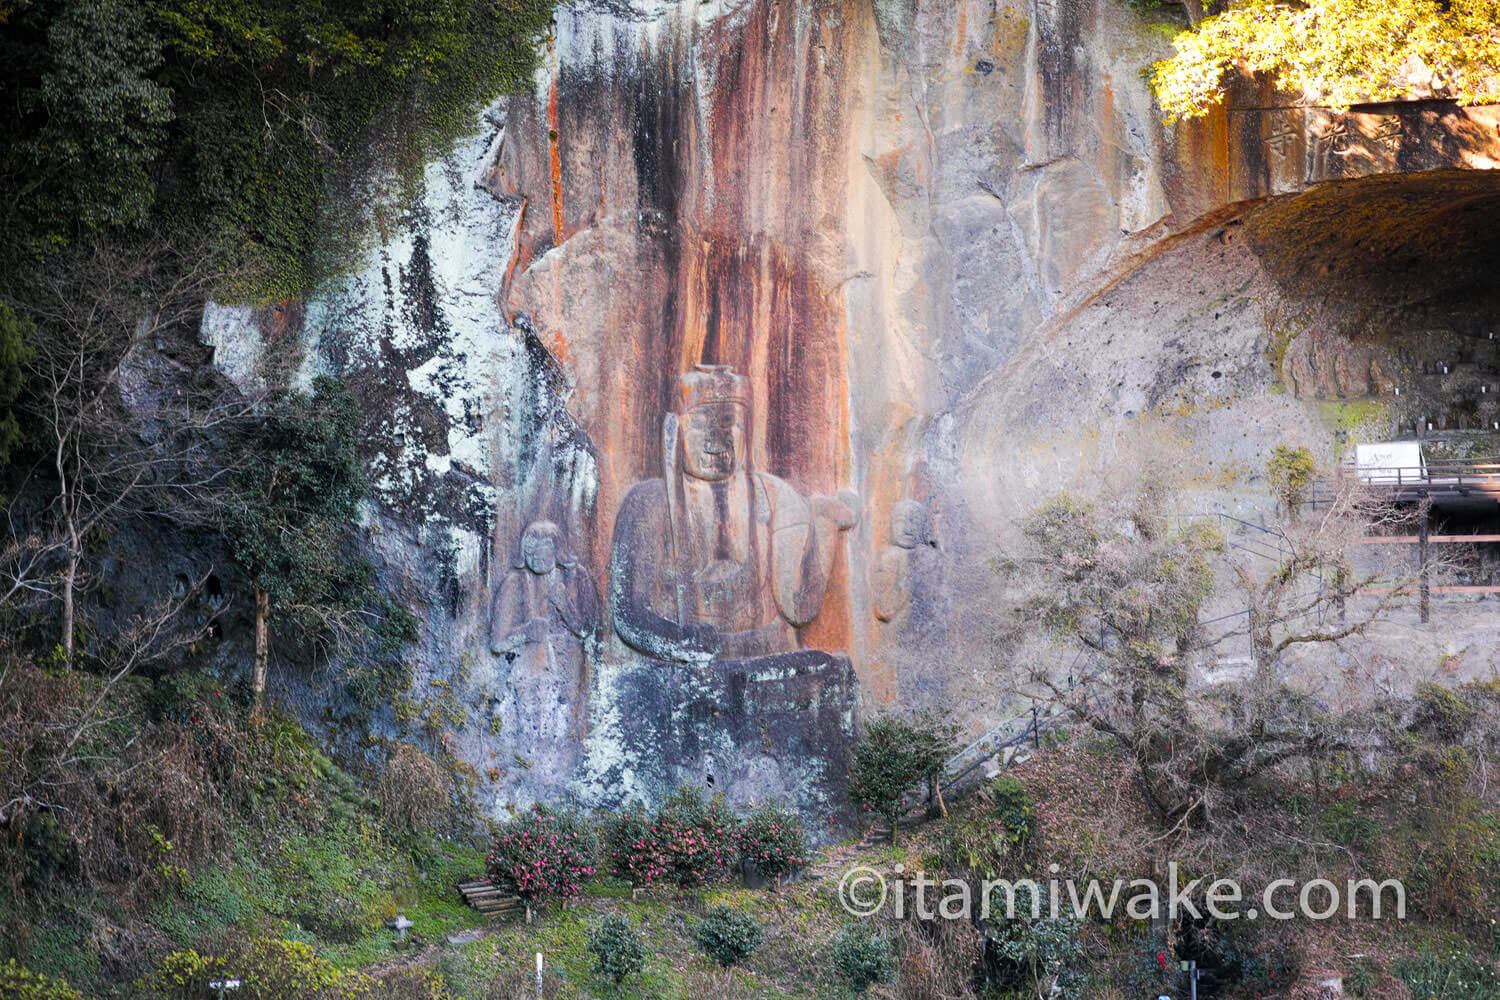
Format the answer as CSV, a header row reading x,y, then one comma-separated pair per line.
x,y
544,617
717,560
907,569
547,595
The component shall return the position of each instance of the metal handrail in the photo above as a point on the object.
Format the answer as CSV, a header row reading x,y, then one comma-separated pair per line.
x,y
1443,473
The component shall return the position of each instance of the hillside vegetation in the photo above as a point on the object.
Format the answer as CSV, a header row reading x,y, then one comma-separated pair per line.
x,y
178,841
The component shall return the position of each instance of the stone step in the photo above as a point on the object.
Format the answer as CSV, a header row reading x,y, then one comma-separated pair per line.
x,y
484,896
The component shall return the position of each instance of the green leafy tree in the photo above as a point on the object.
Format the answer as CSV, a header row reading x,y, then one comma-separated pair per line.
x,y
1035,951
617,947
91,119
298,481
229,119
863,957
728,935
15,332
933,743
1290,471
1338,52
887,762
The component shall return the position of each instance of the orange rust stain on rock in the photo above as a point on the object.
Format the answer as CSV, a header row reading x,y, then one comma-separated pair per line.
x,y
890,161
555,151
963,29
559,348
281,320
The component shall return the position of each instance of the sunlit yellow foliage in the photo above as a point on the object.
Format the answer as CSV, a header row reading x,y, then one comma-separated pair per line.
x,y
1338,52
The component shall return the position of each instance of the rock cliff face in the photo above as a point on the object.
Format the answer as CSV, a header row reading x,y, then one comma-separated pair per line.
x,y
954,261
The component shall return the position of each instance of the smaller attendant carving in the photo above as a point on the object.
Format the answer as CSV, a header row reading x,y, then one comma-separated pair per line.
x,y
542,622
546,595
902,566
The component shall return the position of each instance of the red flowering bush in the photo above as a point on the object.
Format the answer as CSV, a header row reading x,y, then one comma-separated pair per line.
x,y
630,842
701,840
544,853
773,842
1152,971
688,841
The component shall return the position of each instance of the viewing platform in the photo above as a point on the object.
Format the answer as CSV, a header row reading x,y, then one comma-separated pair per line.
x,y
1396,471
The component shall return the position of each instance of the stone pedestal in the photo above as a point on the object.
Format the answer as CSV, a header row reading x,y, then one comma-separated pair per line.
x,y
766,729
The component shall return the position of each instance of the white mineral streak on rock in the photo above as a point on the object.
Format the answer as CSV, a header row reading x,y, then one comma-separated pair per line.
x,y
234,335
428,289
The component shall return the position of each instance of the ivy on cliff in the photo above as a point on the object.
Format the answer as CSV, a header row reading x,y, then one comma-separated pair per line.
x,y
225,120
1342,52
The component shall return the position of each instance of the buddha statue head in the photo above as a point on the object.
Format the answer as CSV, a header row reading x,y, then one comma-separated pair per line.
x,y
713,410
539,547
910,525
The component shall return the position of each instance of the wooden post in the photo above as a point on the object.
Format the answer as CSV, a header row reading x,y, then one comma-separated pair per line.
x,y
1422,568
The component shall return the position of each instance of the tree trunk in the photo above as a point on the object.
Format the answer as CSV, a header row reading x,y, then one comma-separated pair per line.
x,y
1161,921
262,648
1263,655
69,591
75,550
935,787
69,586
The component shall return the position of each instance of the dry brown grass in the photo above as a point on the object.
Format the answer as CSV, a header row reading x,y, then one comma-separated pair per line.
x,y
1091,817
413,789
105,801
938,959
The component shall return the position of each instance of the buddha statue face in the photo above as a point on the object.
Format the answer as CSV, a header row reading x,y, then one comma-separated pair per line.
x,y
539,548
713,440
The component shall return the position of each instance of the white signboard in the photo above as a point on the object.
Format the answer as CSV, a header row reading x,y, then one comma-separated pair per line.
x,y
1389,462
